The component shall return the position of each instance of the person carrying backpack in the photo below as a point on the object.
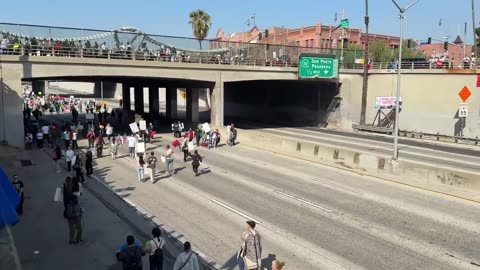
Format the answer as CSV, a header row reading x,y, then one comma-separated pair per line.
x,y
130,255
187,260
155,250
74,216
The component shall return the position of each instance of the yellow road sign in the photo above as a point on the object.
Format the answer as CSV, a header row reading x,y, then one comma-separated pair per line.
x,y
184,95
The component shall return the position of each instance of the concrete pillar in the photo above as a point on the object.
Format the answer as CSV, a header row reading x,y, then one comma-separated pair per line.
x,y
126,96
109,89
192,105
153,100
217,103
11,116
40,87
171,102
138,99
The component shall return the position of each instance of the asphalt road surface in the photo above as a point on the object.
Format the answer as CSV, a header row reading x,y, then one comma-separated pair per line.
x,y
309,215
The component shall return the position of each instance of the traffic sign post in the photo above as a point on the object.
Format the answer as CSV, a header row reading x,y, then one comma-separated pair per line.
x,y
463,110
317,66
345,24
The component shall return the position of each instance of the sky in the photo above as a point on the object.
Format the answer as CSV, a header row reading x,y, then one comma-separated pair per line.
x,y
171,17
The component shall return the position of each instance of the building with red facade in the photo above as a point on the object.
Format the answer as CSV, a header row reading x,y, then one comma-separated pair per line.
x,y
317,36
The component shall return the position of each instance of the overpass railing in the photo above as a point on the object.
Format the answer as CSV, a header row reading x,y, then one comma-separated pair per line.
x,y
133,44
129,43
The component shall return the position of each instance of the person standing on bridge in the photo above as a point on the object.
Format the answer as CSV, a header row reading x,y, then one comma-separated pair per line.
x,y
187,260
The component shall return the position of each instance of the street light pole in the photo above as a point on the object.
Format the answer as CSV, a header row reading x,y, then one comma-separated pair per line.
x,y
399,77
474,30
365,69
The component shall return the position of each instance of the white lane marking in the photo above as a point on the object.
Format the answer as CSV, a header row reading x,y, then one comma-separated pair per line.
x,y
304,201
235,211
338,186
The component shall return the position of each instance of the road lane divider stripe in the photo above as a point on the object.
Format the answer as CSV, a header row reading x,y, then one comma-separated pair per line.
x,y
302,200
235,211
329,183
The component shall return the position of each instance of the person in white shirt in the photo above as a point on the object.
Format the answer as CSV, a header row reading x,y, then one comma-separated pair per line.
x,y
74,139
40,139
154,249
132,140
69,154
109,131
46,131
187,260
168,154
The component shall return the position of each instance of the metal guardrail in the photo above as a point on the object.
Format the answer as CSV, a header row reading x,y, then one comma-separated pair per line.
x,y
132,44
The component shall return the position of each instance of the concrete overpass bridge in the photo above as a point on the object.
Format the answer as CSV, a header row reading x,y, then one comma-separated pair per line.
x,y
245,87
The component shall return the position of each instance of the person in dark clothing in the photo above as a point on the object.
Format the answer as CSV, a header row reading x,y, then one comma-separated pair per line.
x,y
198,135
130,255
184,148
18,185
74,115
67,189
89,163
74,216
196,161
78,168
99,146
176,130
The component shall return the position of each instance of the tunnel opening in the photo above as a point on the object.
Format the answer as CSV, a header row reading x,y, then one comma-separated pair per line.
x,y
288,103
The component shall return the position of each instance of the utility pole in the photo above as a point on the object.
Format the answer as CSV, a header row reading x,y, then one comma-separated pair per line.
x,y
399,77
365,69
474,30
343,37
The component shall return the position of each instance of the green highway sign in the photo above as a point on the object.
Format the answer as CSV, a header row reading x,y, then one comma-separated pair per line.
x,y
345,24
317,66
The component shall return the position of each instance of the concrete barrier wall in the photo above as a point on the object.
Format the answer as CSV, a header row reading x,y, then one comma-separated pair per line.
x,y
437,173
430,101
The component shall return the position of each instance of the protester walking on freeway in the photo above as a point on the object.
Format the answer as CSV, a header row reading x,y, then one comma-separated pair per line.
x,y
168,154
114,148
196,161
89,163
132,140
57,156
69,154
18,185
184,147
91,137
78,166
74,216
187,260
154,248
130,254
152,166
251,247
140,167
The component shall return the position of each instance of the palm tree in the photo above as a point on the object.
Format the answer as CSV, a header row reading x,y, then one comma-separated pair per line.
x,y
201,22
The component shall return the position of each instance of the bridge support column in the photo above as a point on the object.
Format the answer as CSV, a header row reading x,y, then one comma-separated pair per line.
x,y
11,117
153,101
126,96
138,99
192,105
217,103
171,103
109,89
40,87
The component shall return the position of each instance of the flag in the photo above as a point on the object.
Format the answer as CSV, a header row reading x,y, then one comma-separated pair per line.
x,y
9,200
121,139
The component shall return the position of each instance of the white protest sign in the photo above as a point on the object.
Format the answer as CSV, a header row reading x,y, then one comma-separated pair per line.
x,y
143,124
141,147
134,127
463,110
191,147
206,127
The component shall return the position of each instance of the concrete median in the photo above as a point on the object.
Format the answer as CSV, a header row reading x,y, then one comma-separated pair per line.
x,y
431,170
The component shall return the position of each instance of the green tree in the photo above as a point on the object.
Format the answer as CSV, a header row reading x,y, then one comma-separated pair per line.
x,y
380,52
201,22
406,52
352,52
